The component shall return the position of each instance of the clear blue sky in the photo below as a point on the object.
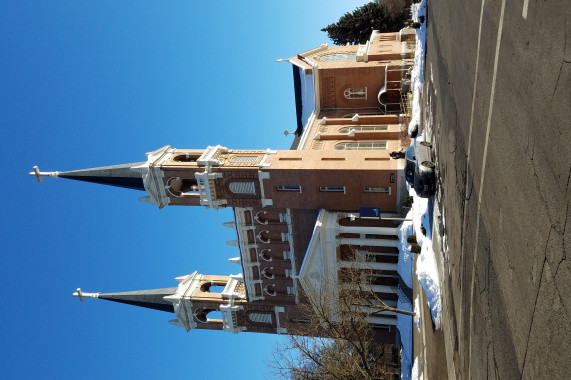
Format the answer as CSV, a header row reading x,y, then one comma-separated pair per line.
x,y
93,83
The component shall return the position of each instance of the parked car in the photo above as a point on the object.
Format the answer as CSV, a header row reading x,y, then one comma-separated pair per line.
x,y
419,169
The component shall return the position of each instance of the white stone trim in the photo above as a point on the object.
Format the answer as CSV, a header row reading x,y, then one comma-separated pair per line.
x,y
248,264
306,131
153,175
318,49
279,329
263,163
181,300
261,176
229,318
363,51
211,155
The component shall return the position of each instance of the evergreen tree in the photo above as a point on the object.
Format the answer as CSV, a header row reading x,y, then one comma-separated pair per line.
x,y
356,27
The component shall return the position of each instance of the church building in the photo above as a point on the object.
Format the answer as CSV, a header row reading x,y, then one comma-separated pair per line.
x,y
302,216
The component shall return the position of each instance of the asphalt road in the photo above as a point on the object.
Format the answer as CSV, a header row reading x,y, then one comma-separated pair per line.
x,y
497,90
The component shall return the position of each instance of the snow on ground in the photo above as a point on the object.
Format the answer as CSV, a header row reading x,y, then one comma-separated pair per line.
x,y
421,226
417,312
404,327
406,257
426,269
417,11
414,375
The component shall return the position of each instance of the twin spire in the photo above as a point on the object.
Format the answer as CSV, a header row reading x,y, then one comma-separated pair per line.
x,y
114,175
150,299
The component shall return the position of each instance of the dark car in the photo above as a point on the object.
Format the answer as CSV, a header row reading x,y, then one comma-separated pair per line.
x,y
419,170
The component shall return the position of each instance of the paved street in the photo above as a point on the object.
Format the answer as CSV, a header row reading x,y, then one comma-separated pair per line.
x,y
497,90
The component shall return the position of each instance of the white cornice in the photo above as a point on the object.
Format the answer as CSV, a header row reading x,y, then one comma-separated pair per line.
x,y
318,49
152,174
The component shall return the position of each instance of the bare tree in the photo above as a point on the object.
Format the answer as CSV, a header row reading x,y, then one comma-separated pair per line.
x,y
336,340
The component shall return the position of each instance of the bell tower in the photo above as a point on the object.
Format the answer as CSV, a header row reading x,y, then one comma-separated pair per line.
x,y
203,302
214,177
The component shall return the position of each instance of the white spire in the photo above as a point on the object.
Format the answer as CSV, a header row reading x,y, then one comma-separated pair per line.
x,y
233,243
229,224
235,260
238,277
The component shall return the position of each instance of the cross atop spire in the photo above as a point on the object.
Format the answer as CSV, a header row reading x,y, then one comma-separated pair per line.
x,y
39,175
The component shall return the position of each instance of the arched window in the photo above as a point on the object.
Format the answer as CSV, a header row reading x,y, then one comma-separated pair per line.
x,y
270,290
338,57
364,128
243,188
264,236
259,217
260,317
265,255
356,93
185,157
208,315
268,272
177,186
362,145
211,287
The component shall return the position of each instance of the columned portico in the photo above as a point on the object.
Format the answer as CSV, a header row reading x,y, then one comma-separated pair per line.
x,y
324,260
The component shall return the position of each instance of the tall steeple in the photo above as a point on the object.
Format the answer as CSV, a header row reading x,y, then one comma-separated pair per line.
x,y
115,175
146,176
150,299
191,302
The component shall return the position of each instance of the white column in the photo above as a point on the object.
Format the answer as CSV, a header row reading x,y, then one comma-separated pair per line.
x,y
370,242
368,265
369,230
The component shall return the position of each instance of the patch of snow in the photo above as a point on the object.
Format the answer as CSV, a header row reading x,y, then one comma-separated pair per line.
x,y
414,375
426,270
417,312
427,274
406,257
404,327
416,76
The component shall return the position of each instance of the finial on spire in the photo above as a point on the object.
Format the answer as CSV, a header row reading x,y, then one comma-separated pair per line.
x,y
39,175
81,295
